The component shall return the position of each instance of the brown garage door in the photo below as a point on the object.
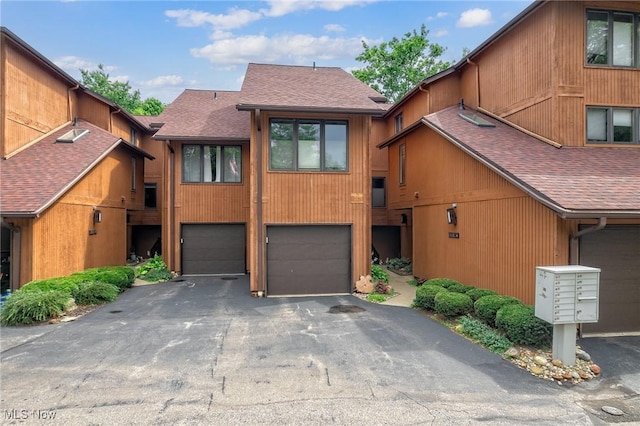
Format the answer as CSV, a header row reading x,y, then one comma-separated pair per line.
x,y
309,259
213,249
616,251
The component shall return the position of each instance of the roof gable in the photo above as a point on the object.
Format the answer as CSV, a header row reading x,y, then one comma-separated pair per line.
x,y
34,178
298,88
573,181
205,115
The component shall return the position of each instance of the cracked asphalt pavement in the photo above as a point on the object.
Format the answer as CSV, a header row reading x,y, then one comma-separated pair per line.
x,y
202,351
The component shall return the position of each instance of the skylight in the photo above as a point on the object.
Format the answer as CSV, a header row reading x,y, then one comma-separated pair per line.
x,y
72,135
476,119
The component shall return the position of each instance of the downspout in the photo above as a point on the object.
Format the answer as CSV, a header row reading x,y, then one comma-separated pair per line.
x,y
470,62
428,92
575,239
111,118
69,90
171,203
260,279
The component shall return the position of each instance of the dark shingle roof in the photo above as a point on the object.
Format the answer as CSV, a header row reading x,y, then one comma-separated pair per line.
x,y
32,179
296,88
574,181
206,115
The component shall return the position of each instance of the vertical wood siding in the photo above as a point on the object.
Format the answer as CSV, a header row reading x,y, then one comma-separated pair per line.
x,y
24,81
94,111
153,173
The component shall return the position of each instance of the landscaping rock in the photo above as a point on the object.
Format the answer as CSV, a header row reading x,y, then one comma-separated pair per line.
x,y
538,371
364,284
612,410
512,352
595,368
580,354
557,363
540,360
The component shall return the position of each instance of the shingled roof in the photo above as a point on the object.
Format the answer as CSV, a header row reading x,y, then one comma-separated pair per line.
x,y
578,182
34,178
204,115
297,88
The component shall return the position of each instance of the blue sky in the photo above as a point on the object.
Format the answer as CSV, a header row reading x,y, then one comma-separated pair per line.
x,y
163,47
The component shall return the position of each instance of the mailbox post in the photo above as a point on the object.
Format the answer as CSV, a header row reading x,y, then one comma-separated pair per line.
x,y
566,296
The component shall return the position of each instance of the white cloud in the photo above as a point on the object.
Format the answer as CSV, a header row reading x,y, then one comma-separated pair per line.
x,y
441,33
298,49
236,18
474,18
120,78
75,63
442,14
334,28
284,7
163,80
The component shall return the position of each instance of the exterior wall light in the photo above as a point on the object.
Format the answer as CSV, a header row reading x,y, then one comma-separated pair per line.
x,y
452,218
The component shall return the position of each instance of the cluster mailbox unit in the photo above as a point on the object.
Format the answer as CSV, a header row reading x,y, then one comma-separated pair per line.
x,y
565,296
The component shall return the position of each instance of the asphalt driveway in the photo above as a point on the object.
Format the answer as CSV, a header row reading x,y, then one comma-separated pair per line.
x,y
202,351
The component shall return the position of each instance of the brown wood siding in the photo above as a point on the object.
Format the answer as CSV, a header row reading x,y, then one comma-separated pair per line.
x,y
34,101
26,249
311,197
153,173
206,202
94,111
503,232
443,93
62,244
501,241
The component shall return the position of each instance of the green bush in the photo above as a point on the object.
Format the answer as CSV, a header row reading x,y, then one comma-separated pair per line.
x,y
453,304
27,307
520,325
154,270
483,334
477,293
379,274
400,264
376,298
442,282
95,293
65,284
460,288
425,296
486,307
116,275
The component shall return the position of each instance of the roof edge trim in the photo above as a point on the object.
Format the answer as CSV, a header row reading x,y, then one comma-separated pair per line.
x,y
359,111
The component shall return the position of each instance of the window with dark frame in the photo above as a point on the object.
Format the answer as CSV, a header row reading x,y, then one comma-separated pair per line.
x,y
398,123
211,164
378,192
402,157
308,145
612,38
611,125
150,195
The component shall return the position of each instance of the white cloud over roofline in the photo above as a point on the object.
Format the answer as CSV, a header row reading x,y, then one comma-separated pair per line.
x,y
474,18
163,80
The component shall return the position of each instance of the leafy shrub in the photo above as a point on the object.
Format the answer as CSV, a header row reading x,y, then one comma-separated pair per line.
x,y
400,264
154,270
382,288
378,274
65,284
483,334
95,293
115,275
520,325
442,282
27,307
486,307
460,288
477,293
376,298
425,296
453,304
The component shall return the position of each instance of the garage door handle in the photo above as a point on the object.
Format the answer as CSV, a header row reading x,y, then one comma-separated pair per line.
x,y
181,240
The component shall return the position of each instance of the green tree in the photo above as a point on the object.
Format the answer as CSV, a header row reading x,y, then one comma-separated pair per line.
x,y
120,93
395,67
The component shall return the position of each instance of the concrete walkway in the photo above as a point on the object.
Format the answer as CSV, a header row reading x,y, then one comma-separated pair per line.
x,y
406,292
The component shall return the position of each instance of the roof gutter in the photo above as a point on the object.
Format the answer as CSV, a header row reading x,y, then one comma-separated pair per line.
x,y
293,108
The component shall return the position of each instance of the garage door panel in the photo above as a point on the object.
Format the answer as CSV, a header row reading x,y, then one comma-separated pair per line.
x,y
308,259
616,251
213,249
